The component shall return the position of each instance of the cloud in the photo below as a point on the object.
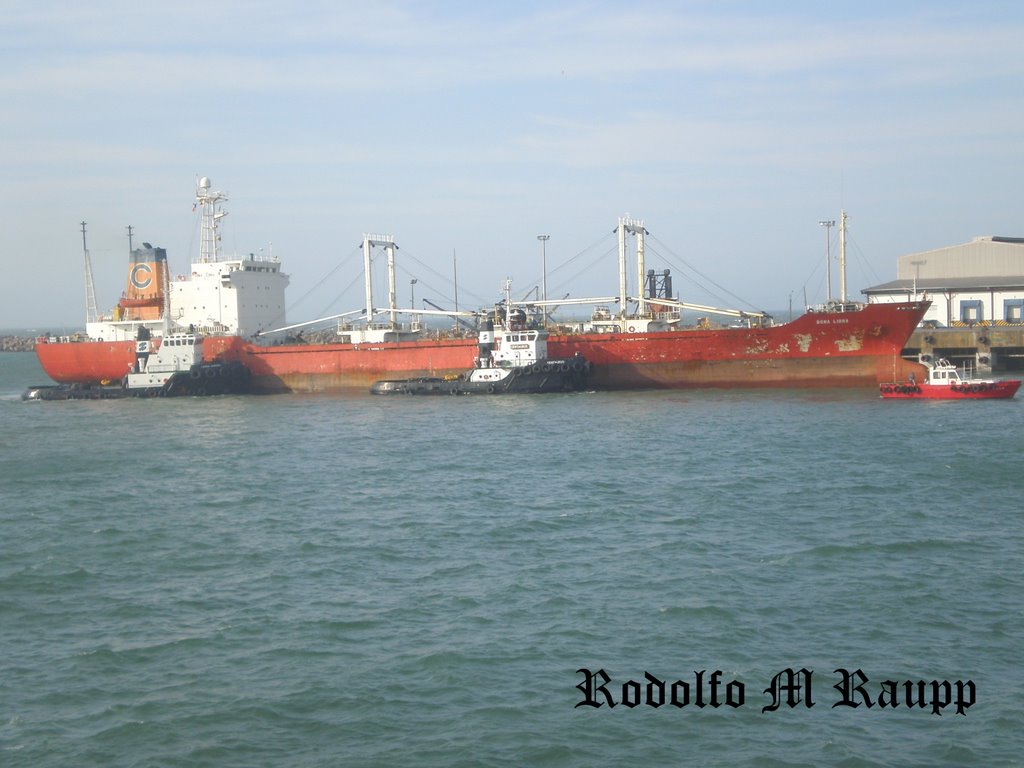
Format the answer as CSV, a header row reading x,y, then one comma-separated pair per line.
x,y
459,122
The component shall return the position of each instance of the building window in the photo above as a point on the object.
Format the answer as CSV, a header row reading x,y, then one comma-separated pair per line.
x,y
1013,310
970,311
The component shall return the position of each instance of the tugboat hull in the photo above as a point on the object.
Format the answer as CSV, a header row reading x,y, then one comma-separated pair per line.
x,y
568,375
203,379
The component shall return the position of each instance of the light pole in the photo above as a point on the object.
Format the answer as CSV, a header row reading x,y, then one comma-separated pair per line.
x,y
544,272
828,258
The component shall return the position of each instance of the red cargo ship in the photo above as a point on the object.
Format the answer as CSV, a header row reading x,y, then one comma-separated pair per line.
x,y
842,344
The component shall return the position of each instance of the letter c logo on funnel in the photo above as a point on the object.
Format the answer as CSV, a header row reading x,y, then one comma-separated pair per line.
x,y
141,276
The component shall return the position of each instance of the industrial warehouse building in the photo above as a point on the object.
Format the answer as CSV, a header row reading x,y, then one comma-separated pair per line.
x,y
977,294
980,282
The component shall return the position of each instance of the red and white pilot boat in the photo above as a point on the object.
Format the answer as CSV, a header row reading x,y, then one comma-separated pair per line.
x,y
945,383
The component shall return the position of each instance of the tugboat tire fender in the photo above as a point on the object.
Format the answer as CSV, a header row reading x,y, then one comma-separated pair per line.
x,y
490,389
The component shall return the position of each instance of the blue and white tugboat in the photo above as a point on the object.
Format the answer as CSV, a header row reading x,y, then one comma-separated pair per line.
x,y
510,359
176,368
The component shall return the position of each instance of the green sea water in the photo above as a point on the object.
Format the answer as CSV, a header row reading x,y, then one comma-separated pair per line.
x,y
360,581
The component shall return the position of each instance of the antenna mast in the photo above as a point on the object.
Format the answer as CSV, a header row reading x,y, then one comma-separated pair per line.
x,y
91,313
210,214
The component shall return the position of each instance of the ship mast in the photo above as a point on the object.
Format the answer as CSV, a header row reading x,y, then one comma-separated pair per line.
x,y
636,228
91,313
392,297
210,215
165,306
388,242
508,303
842,257
827,224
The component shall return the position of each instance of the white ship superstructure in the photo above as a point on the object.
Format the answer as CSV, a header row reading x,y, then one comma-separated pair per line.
x,y
219,296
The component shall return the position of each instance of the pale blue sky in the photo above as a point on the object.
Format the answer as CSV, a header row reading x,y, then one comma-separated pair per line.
x,y
730,128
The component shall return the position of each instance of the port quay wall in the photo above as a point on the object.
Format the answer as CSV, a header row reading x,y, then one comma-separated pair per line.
x,y
995,347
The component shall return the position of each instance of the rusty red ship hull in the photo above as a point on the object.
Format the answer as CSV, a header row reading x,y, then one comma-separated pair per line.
x,y
819,349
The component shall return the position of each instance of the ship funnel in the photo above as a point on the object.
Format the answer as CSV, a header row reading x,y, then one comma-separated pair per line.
x,y
143,298
142,349
486,340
